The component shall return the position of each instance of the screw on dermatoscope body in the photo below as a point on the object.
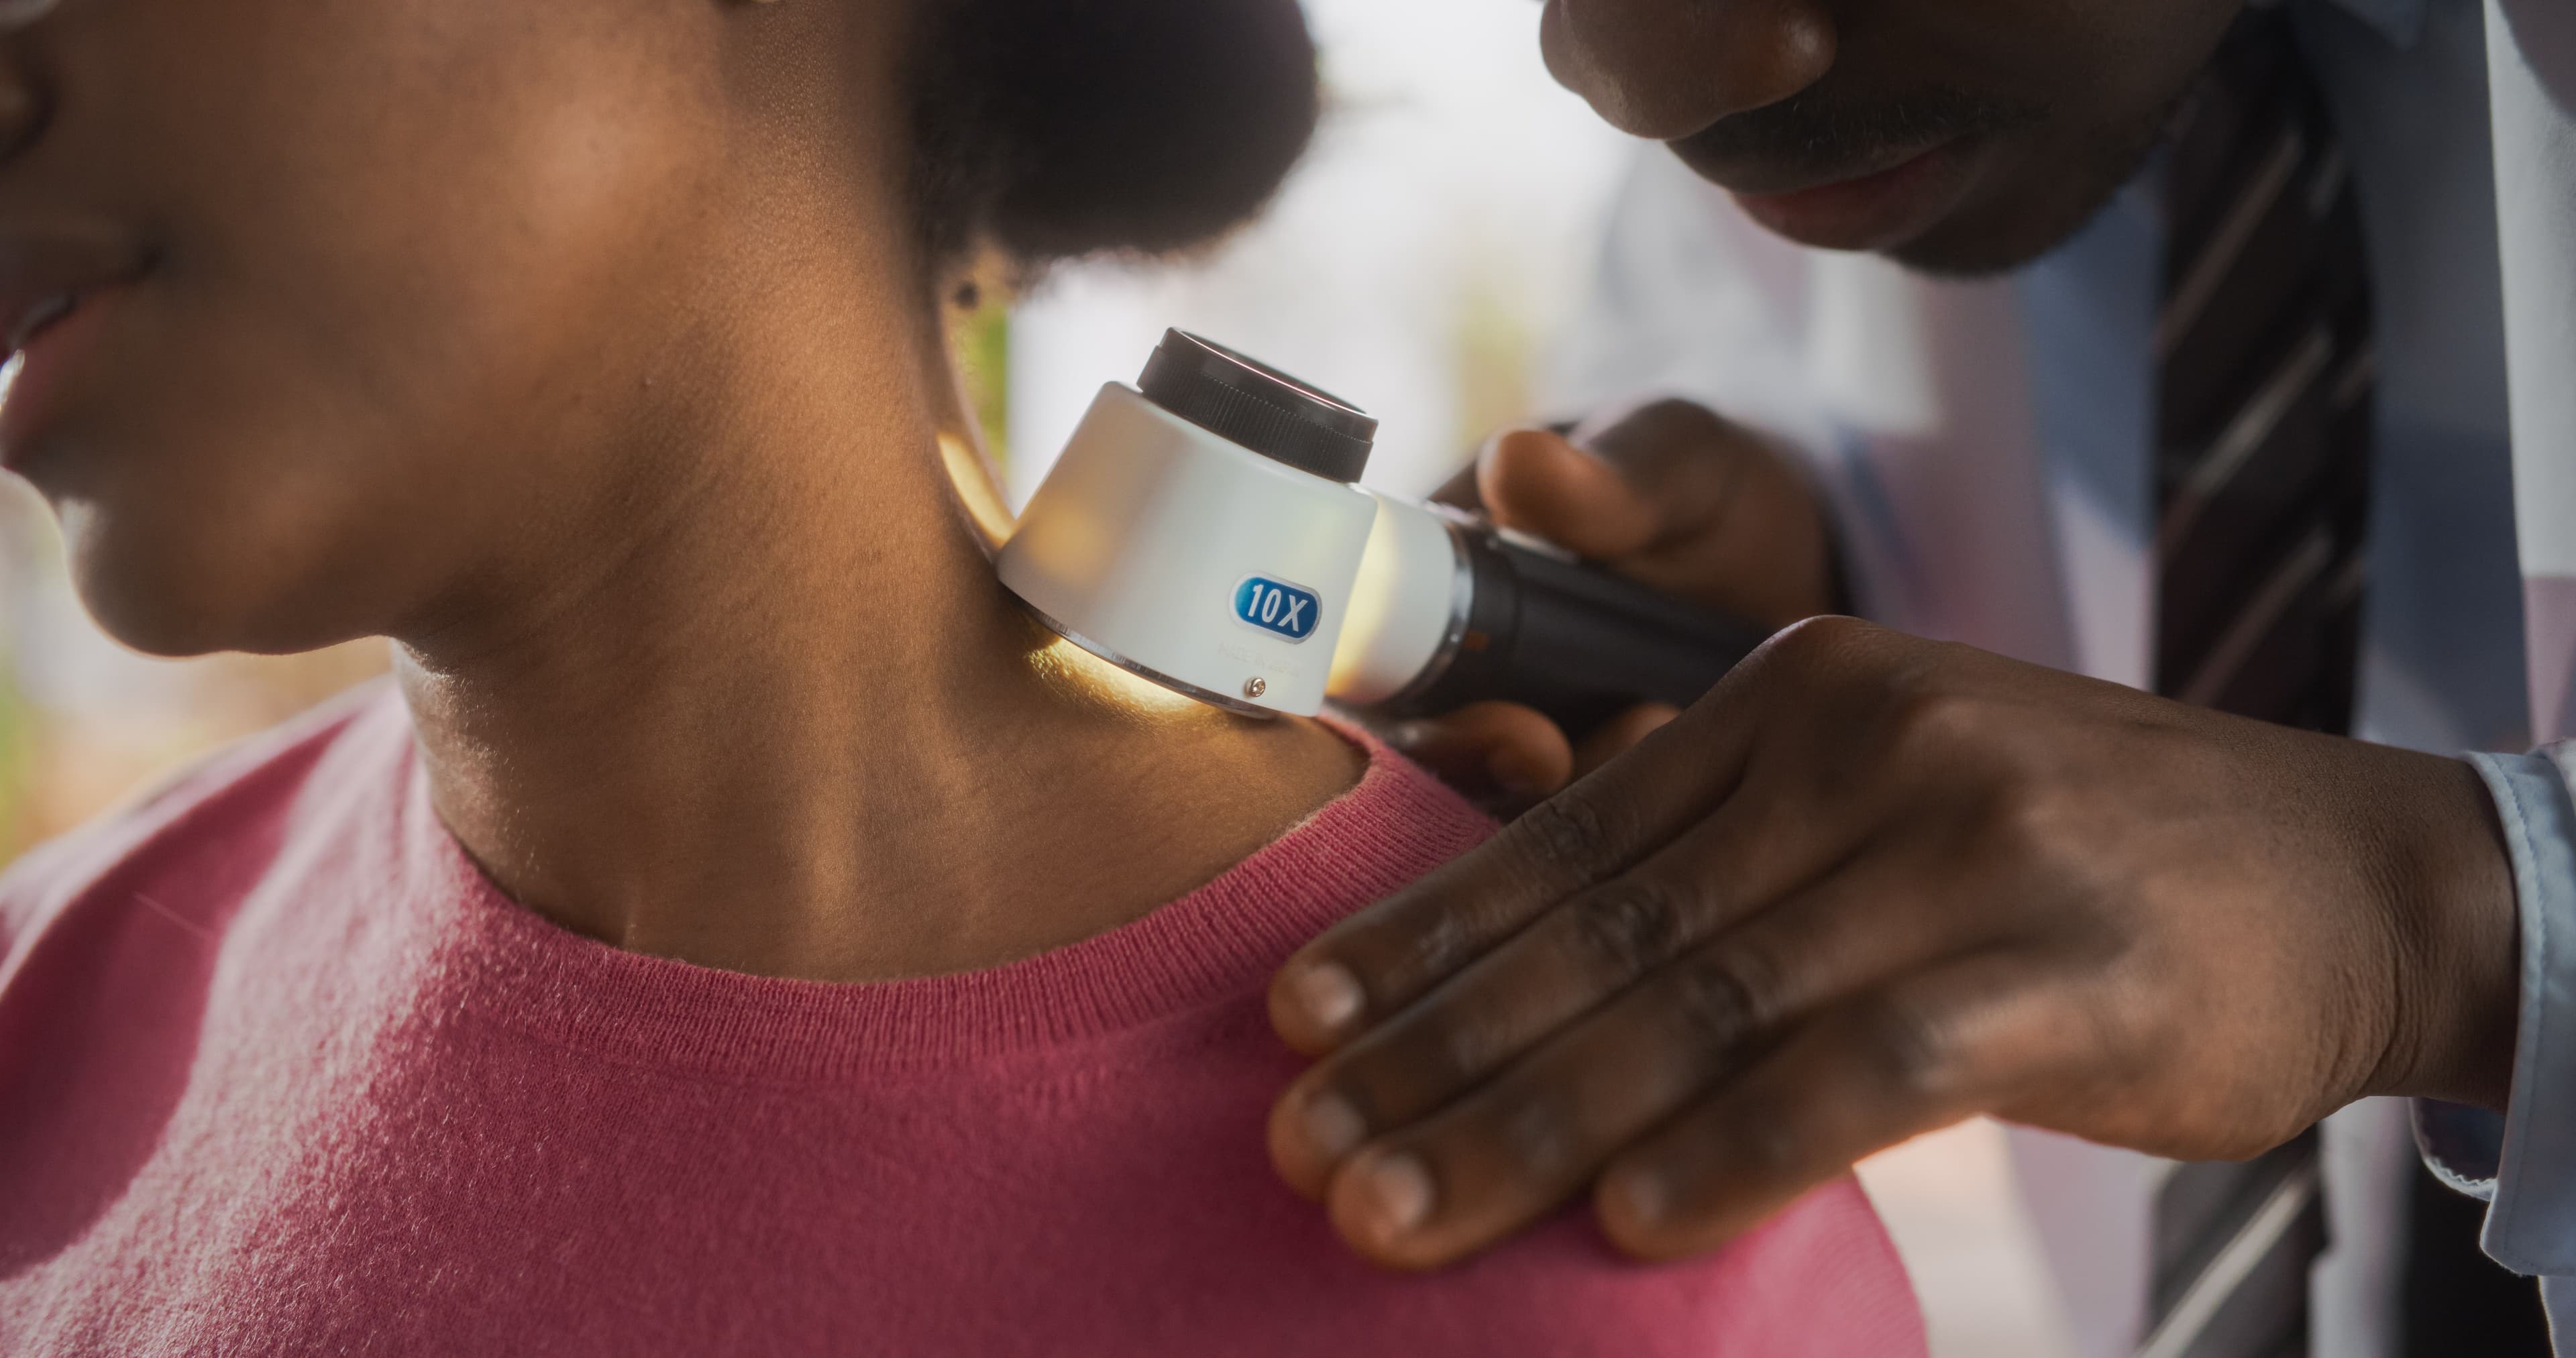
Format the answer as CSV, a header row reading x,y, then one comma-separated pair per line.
x,y
1255,686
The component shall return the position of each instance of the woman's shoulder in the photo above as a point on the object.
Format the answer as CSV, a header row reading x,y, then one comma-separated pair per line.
x,y
225,805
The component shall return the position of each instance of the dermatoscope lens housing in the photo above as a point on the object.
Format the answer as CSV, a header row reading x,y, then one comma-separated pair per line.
x,y
1202,529
1258,408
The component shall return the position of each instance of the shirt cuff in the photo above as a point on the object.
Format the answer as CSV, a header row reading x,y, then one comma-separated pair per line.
x,y
2529,1170
2461,1145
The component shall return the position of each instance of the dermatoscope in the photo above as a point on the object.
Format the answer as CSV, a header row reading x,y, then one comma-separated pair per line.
x,y
1204,529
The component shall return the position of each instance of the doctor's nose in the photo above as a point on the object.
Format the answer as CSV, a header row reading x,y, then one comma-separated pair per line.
x,y
1668,68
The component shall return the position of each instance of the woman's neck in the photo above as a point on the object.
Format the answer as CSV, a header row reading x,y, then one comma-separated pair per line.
x,y
788,723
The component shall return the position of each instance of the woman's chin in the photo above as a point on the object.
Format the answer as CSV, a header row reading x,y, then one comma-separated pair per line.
x,y
175,603
145,619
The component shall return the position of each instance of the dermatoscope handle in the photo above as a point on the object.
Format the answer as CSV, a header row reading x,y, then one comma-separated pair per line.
x,y
1575,641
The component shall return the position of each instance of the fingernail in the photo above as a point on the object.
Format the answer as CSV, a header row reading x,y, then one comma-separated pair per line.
x,y
1332,1126
1399,1193
1329,994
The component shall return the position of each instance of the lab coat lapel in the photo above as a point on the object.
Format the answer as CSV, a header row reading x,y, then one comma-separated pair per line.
x,y
2531,48
1932,385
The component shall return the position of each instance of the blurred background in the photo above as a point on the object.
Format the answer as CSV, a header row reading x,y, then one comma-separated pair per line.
x,y
1439,232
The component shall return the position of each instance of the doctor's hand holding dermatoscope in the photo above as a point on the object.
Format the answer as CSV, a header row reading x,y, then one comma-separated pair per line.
x,y
1869,886
1866,886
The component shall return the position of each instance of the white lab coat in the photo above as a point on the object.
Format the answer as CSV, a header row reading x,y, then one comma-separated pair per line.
x,y
2532,72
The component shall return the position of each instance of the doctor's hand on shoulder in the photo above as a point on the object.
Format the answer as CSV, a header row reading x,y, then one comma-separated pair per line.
x,y
1869,886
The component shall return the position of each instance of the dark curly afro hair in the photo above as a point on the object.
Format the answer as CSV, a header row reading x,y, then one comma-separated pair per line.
x,y
1054,129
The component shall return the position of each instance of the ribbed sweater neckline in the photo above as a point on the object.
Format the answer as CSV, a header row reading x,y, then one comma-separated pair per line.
x,y
1219,942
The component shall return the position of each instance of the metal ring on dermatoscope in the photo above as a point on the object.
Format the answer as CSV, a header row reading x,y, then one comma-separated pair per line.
x,y
20,13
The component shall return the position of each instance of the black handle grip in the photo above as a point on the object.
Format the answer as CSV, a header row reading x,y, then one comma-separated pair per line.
x,y
1577,642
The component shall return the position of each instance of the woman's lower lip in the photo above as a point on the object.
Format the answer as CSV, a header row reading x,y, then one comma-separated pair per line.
x,y
1872,212
40,372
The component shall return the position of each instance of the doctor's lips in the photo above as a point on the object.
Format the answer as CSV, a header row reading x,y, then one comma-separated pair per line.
x,y
1848,181
1870,211
54,292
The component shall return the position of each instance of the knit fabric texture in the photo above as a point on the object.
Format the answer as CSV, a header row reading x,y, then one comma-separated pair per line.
x,y
282,1073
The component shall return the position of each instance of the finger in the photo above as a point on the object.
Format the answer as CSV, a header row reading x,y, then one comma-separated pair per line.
x,y
1868,1074
1634,486
1752,851
1537,481
1620,734
1680,1014
1378,960
1739,526
1381,959
1490,747
1461,491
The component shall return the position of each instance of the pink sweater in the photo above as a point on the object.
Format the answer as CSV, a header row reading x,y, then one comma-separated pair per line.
x,y
280,1073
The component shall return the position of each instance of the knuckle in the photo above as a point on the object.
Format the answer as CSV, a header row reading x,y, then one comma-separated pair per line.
x,y
1765,1141
2028,821
1571,830
2026,852
1815,641
1421,934
1910,1048
1452,1052
1934,724
1629,928
1534,1133
1434,945
1823,660
1719,1002
2125,1055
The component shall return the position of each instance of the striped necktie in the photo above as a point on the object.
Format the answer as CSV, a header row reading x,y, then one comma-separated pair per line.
x,y
2262,469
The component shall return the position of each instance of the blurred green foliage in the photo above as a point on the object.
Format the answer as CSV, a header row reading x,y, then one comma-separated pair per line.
x,y
983,342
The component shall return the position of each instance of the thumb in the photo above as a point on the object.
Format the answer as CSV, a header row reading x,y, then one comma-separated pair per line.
x,y
1537,481
1677,498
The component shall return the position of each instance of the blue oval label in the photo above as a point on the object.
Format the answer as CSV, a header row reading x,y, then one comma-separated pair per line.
x,y
1277,607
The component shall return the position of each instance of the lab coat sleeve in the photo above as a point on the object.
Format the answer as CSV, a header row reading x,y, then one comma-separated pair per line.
x,y
2531,1174
2525,1162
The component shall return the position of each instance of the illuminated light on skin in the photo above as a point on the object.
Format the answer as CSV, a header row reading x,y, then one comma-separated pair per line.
x,y
976,489
1074,669
1062,664
20,13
